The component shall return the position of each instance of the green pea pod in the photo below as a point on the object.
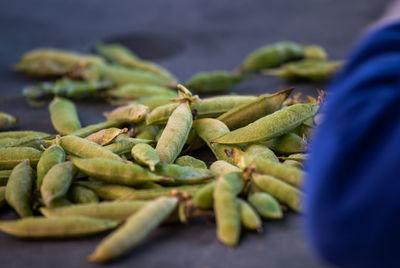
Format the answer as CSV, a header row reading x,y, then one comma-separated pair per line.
x,y
19,189
120,192
106,136
270,126
222,167
266,205
57,182
154,101
4,175
82,195
144,154
272,56
123,145
54,62
208,107
296,157
134,91
146,132
293,163
56,227
2,196
22,134
287,144
29,141
120,210
184,175
84,148
262,151
112,171
315,52
135,229
249,217
6,120
64,116
251,111
133,113
10,157
189,161
86,131
215,81
50,157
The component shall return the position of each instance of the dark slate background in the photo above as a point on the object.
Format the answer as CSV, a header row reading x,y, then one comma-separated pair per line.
x,y
186,37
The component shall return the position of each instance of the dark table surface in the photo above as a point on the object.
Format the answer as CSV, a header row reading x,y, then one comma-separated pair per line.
x,y
186,37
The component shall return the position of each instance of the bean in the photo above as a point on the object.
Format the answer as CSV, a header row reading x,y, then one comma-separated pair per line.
x,y
134,91
119,192
314,52
106,136
135,229
50,157
222,167
144,154
4,175
86,131
21,134
120,210
261,151
206,82
82,195
83,148
6,120
123,145
54,62
62,227
282,191
116,172
209,107
270,126
64,116
19,189
287,144
57,182
183,175
272,56
227,214
247,113
10,157
265,205
249,217
133,113
2,196
190,161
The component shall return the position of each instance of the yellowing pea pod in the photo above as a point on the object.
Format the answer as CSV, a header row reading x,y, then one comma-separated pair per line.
x,y
106,136
208,107
118,210
19,189
249,217
315,52
84,148
215,81
282,191
4,175
2,196
144,154
124,144
265,205
183,175
271,56
12,156
64,116
262,151
133,113
112,171
56,227
270,126
54,62
289,143
82,195
249,112
6,120
134,230
133,91
86,131
190,161
176,132
50,157
57,182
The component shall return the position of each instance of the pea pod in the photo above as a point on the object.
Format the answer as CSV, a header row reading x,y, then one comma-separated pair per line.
x,y
84,148
10,157
123,145
64,116
2,196
86,131
261,151
120,210
184,175
56,227
134,91
130,113
293,163
4,175
19,189
249,217
206,82
265,205
315,52
82,195
116,172
270,126
154,101
56,182
189,161
135,229
24,133
6,120
29,141
222,167
106,136
282,191
144,154
50,157
287,144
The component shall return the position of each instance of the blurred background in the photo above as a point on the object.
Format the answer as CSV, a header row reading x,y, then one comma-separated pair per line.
x,y
186,37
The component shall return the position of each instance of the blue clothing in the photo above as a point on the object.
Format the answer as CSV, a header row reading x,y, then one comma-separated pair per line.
x,y
353,182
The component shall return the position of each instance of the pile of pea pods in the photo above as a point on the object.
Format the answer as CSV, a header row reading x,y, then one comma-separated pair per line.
x,y
137,169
